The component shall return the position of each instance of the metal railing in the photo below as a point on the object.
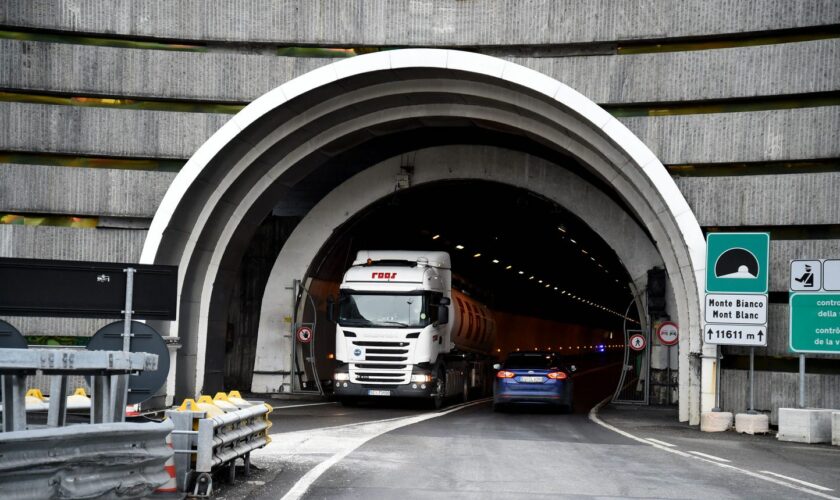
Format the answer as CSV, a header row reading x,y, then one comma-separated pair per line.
x,y
110,460
109,371
210,435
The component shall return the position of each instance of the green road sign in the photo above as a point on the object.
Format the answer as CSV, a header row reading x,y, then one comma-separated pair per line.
x,y
737,262
815,322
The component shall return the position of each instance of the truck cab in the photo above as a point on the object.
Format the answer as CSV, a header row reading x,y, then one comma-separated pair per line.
x,y
392,326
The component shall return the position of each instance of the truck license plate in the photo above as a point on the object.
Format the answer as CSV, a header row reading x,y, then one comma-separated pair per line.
x,y
378,392
531,379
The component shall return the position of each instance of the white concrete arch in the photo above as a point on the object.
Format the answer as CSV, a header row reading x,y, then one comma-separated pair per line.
x,y
224,191
441,163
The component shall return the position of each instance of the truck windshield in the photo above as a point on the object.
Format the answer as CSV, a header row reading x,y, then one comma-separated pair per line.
x,y
382,310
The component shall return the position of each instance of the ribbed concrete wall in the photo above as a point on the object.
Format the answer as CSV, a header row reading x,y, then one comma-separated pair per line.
x,y
81,191
670,76
99,131
769,200
774,390
703,138
419,22
107,245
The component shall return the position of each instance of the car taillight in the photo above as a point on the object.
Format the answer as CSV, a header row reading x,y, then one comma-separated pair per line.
x,y
505,374
557,375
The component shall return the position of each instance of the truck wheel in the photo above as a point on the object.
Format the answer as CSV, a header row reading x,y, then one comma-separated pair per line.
x,y
439,400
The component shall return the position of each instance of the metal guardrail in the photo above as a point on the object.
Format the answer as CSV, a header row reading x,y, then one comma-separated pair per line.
x,y
216,441
110,460
109,371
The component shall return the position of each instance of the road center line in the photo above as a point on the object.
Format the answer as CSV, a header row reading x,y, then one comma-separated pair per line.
x,y
806,483
593,416
304,483
663,443
710,457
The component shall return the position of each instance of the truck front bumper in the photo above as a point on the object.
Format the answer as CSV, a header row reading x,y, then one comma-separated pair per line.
x,y
346,389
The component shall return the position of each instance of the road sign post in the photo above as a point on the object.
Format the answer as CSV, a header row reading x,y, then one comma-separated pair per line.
x,y
669,335
737,266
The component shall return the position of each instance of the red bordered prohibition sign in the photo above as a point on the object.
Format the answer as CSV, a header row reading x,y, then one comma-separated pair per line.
x,y
304,335
668,333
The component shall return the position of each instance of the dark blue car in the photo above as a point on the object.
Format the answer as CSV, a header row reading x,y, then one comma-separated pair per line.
x,y
533,378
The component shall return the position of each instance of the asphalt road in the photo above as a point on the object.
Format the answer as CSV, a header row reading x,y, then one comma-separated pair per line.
x,y
399,451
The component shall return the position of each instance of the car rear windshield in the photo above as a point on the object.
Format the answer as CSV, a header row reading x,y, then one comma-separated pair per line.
x,y
531,361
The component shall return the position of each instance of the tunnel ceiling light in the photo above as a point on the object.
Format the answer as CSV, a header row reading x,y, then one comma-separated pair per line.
x,y
495,261
573,241
561,229
521,272
593,259
511,267
547,286
584,252
459,247
435,236
555,288
530,277
477,255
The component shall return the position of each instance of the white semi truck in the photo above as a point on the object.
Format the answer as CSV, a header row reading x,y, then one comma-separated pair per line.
x,y
401,331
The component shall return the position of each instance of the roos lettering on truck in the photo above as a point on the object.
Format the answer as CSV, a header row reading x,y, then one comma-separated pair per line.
x,y
383,276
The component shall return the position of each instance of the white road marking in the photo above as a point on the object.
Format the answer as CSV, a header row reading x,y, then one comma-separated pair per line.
x,y
593,416
301,406
806,483
710,457
359,434
663,443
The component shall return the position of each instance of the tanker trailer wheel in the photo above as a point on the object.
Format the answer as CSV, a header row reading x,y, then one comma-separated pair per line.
x,y
439,399
465,397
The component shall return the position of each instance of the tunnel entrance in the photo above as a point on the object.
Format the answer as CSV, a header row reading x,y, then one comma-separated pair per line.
x,y
551,282
282,148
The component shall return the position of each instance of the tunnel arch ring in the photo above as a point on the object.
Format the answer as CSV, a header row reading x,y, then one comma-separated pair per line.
x,y
683,247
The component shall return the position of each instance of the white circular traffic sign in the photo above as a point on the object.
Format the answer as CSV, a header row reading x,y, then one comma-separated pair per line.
x,y
668,333
304,334
638,342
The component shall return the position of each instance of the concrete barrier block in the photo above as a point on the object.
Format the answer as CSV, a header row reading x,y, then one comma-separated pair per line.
x,y
835,428
715,421
805,425
746,423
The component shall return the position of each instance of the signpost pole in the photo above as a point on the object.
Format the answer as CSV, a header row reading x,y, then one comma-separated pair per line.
x,y
129,298
668,383
717,379
751,410
802,381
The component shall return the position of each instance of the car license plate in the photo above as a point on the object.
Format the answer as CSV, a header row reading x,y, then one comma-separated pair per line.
x,y
378,392
531,379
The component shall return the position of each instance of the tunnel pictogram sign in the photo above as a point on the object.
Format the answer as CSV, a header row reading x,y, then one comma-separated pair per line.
x,y
304,334
737,262
638,342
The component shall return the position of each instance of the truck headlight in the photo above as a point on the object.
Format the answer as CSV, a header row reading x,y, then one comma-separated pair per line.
x,y
421,378
341,376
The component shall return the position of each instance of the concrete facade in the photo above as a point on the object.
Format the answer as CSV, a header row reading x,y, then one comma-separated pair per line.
x,y
237,65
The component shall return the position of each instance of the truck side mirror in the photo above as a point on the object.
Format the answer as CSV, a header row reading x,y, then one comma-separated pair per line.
x,y
331,309
443,314
445,301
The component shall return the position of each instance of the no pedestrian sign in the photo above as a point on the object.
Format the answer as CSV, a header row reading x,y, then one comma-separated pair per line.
x,y
638,342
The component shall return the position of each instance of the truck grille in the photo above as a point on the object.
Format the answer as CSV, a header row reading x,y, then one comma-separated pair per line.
x,y
384,362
